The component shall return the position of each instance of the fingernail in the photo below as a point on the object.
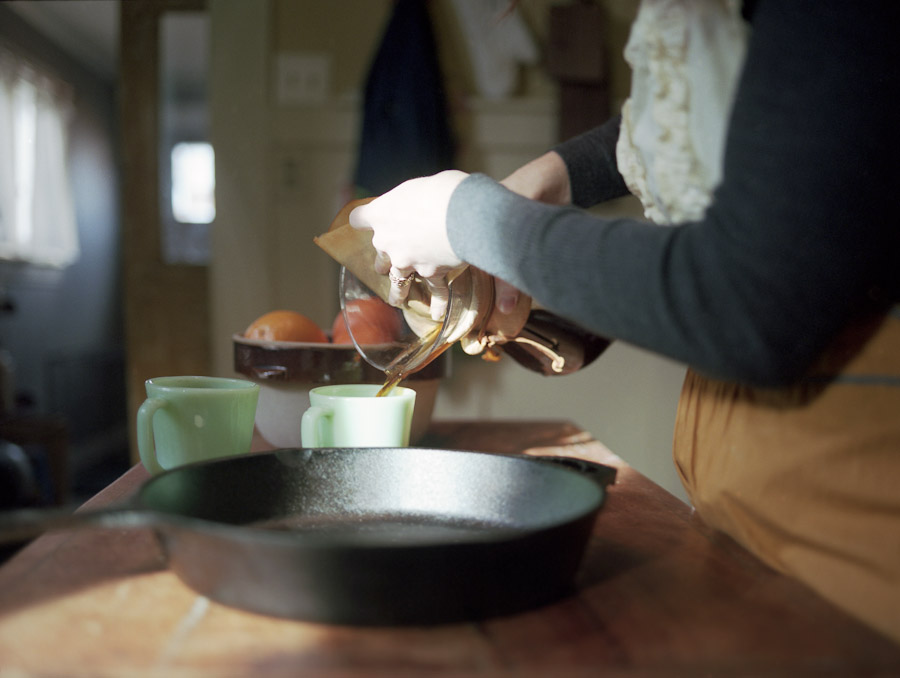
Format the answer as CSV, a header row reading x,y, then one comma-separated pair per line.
x,y
438,309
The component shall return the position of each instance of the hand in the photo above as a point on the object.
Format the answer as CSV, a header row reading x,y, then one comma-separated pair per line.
x,y
545,179
409,225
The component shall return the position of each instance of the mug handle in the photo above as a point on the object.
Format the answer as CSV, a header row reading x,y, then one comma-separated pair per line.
x,y
310,426
145,441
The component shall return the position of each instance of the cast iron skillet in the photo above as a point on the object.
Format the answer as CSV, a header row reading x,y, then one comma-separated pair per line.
x,y
373,536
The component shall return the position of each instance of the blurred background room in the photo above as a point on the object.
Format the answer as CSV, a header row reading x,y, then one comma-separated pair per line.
x,y
192,149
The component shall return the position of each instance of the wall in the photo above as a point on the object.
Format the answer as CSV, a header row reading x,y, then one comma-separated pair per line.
x,y
71,317
166,305
282,175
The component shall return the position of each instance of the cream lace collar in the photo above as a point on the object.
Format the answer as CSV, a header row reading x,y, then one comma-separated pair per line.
x,y
686,57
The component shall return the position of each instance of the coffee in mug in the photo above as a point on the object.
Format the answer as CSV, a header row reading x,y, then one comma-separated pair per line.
x,y
354,415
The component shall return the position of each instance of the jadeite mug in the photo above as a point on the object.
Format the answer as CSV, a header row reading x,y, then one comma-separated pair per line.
x,y
191,418
352,415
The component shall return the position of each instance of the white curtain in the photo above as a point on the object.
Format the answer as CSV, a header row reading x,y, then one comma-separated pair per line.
x,y
37,215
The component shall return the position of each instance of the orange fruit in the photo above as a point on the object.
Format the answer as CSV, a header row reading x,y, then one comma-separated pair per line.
x,y
285,326
373,322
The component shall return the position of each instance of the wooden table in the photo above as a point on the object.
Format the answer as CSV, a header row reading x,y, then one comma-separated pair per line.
x,y
658,595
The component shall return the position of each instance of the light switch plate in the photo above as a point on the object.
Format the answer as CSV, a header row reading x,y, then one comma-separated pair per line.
x,y
302,78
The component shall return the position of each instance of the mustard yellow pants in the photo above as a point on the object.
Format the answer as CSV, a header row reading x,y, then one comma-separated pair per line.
x,y
808,478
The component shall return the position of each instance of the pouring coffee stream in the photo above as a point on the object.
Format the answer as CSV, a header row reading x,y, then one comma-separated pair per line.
x,y
535,338
394,375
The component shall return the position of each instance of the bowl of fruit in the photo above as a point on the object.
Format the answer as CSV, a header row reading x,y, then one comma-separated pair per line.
x,y
288,354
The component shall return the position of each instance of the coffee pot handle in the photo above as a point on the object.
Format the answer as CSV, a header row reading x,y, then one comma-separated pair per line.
x,y
553,345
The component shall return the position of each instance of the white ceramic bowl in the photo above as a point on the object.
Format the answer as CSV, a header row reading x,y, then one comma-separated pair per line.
x,y
287,370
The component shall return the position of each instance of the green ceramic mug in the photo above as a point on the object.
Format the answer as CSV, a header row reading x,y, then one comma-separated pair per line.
x,y
188,419
351,415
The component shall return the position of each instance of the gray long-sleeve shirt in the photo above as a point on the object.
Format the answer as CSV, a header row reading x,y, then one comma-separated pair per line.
x,y
802,231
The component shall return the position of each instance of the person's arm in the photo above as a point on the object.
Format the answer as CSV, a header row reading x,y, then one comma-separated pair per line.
x,y
799,231
585,164
590,160
581,171
545,179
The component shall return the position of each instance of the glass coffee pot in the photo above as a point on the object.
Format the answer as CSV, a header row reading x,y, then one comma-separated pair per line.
x,y
401,340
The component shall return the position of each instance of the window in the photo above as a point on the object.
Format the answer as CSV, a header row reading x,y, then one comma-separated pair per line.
x,y
37,214
193,183
186,168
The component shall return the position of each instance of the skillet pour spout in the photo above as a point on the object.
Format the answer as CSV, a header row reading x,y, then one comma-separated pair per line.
x,y
369,536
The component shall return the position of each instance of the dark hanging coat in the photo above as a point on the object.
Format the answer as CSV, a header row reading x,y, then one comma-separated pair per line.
x,y
406,132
